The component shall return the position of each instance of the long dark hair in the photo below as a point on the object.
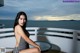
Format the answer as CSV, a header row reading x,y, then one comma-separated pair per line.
x,y
17,18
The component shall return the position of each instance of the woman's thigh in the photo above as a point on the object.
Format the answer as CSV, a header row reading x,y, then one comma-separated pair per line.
x,y
31,50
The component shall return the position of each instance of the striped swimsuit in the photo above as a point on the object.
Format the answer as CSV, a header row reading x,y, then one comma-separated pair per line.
x,y
22,45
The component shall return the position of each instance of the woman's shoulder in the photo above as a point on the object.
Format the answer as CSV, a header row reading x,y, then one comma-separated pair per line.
x,y
18,27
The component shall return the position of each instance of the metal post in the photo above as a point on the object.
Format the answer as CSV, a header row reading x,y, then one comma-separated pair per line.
x,y
36,33
74,42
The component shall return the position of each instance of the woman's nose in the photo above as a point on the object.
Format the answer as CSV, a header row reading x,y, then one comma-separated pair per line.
x,y
22,21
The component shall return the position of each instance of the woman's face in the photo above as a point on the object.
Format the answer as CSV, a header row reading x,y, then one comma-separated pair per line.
x,y
21,20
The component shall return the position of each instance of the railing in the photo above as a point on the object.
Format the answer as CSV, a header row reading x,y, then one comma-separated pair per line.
x,y
8,32
4,32
39,31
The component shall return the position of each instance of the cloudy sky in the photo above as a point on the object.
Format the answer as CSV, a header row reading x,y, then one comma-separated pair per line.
x,y
41,9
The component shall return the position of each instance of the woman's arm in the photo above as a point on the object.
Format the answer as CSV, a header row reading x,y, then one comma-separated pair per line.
x,y
20,31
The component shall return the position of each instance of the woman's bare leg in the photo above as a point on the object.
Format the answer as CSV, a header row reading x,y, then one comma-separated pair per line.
x,y
31,50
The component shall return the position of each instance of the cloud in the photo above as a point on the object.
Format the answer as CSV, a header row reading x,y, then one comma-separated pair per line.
x,y
69,17
54,8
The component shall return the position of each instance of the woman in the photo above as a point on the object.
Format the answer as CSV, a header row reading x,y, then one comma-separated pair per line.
x,y
22,36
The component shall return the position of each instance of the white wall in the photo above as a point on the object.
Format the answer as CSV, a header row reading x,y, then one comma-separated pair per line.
x,y
64,43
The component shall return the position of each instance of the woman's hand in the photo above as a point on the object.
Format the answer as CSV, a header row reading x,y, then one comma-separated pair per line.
x,y
38,47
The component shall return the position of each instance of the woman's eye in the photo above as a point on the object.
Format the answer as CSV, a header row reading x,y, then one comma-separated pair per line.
x,y
20,18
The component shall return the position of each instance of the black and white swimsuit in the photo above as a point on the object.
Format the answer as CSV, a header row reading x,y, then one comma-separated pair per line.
x,y
22,45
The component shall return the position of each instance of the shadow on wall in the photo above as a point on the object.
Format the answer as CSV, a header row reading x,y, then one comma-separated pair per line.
x,y
54,48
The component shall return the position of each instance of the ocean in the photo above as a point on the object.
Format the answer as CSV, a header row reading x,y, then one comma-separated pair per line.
x,y
68,24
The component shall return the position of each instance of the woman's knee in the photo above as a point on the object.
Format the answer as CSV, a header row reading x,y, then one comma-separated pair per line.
x,y
36,49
